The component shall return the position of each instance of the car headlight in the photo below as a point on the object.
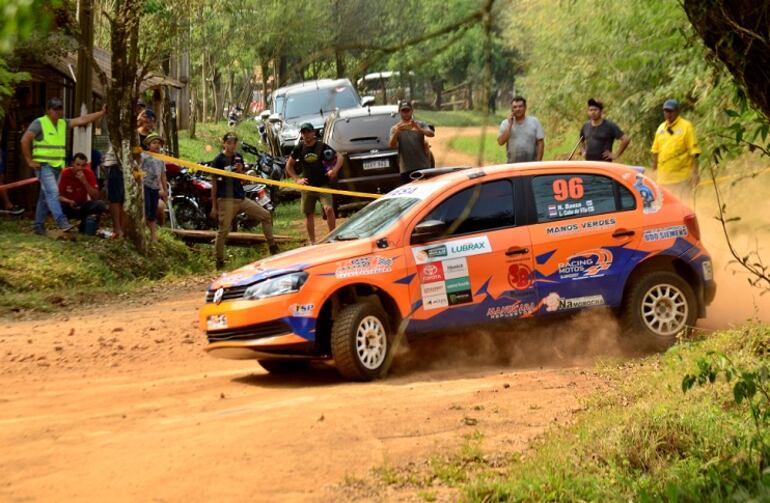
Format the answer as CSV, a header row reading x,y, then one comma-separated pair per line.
x,y
289,133
281,285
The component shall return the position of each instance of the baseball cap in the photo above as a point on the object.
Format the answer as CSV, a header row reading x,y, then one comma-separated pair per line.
x,y
596,103
306,126
671,105
55,103
148,113
229,136
404,104
152,136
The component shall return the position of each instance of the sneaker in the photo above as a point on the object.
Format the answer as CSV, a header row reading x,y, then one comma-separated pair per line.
x,y
274,250
40,231
68,228
13,210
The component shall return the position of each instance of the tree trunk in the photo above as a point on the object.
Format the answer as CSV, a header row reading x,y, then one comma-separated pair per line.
x,y
204,101
193,112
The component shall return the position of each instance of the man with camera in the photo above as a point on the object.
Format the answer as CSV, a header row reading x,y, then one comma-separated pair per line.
x,y
228,199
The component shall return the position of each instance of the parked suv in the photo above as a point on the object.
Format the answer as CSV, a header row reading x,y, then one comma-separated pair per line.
x,y
310,101
465,249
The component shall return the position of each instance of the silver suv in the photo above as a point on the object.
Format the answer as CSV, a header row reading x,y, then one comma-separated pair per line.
x,y
310,101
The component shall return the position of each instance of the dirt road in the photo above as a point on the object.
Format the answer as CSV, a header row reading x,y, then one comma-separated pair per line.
x,y
119,402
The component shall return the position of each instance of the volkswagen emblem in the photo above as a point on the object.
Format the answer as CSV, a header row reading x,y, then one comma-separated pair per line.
x,y
218,295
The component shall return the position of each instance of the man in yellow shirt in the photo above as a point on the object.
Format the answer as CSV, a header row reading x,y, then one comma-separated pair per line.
x,y
675,152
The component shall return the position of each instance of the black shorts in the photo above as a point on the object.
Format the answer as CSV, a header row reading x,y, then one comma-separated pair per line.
x,y
151,197
116,191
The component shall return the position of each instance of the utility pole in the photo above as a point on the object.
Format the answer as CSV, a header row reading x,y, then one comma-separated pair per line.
x,y
81,137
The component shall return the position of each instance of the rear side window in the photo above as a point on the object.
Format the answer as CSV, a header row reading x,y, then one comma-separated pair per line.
x,y
479,208
578,195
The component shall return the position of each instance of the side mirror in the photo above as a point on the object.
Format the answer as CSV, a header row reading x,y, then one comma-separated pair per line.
x,y
274,118
430,229
367,101
264,115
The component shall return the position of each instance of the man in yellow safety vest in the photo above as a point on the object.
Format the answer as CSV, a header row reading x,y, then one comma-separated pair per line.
x,y
44,147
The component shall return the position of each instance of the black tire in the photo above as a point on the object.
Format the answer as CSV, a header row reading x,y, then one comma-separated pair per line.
x,y
187,216
284,366
659,306
364,325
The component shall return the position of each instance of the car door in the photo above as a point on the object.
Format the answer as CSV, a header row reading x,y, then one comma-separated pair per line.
x,y
584,234
480,269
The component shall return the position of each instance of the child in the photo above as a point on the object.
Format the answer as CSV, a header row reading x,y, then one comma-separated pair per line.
x,y
154,182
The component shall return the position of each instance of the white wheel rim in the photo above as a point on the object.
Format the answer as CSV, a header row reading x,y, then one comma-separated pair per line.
x,y
664,310
371,342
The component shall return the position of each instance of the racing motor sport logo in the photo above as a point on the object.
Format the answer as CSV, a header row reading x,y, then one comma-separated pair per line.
x,y
587,264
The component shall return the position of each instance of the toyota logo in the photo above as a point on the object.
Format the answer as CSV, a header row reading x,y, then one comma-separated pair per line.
x,y
218,295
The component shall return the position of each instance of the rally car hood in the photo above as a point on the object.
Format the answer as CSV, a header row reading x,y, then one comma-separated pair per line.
x,y
297,260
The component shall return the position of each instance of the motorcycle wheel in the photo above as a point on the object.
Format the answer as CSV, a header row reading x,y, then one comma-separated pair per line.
x,y
187,216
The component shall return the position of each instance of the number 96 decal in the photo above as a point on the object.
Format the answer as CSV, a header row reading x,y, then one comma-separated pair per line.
x,y
568,189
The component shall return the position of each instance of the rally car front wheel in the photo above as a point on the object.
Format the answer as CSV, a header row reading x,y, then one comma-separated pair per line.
x,y
659,306
360,342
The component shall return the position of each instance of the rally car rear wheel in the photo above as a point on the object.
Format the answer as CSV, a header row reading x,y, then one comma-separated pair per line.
x,y
659,306
360,341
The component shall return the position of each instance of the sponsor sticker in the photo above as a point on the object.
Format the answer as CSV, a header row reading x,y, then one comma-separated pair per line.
x,y
649,191
419,190
592,225
455,268
519,276
514,310
554,302
460,297
676,231
363,266
433,289
301,310
216,322
452,249
458,285
431,272
587,264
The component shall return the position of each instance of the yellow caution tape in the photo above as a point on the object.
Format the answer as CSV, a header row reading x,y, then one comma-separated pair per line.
x,y
255,179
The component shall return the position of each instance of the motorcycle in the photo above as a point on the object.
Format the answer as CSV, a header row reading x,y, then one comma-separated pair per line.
x,y
267,167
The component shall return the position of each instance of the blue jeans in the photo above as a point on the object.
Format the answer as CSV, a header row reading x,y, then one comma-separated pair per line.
x,y
49,197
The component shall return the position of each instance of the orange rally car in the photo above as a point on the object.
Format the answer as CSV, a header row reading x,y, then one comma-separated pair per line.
x,y
468,247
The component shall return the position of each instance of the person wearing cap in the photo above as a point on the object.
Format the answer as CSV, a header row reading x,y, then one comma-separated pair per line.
x,y
229,199
309,155
598,135
44,146
675,152
409,137
145,124
154,182
79,195
523,136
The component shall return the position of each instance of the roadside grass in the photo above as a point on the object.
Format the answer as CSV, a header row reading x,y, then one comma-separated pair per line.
x,y
208,139
42,274
555,148
642,439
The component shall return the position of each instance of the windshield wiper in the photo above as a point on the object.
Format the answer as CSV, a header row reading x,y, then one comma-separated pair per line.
x,y
346,237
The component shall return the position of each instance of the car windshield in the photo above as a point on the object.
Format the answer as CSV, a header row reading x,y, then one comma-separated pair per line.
x,y
373,218
320,101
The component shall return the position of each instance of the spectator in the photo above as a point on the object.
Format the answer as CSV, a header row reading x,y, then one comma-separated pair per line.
x,y
79,195
116,192
598,134
522,135
409,137
675,152
229,199
155,184
309,155
44,147
7,207
145,124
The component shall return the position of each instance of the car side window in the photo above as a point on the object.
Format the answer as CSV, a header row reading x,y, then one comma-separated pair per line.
x,y
573,195
479,208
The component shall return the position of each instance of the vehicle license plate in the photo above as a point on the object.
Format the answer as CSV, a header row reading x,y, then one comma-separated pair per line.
x,y
376,164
